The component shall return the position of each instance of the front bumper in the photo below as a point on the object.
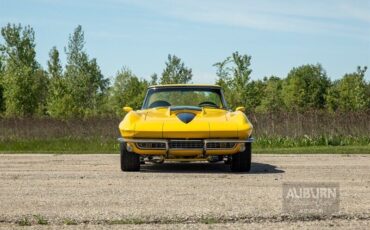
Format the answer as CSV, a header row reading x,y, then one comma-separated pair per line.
x,y
203,148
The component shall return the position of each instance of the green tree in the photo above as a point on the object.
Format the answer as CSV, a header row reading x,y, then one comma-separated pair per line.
x,y
85,84
55,68
234,77
57,101
349,93
368,93
254,94
224,80
242,95
175,72
154,79
223,73
272,100
2,72
332,97
24,82
42,89
305,88
127,90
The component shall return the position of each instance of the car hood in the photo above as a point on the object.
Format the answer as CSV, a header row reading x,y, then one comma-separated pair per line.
x,y
186,122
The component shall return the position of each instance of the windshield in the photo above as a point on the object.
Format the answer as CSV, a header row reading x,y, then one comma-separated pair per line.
x,y
186,96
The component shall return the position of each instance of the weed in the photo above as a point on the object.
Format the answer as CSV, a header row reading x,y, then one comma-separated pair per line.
x,y
68,221
40,220
208,220
24,222
127,221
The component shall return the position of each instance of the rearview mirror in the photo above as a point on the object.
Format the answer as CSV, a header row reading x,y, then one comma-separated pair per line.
x,y
127,109
240,108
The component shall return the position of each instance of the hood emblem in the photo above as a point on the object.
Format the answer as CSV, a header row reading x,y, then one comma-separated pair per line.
x,y
186,117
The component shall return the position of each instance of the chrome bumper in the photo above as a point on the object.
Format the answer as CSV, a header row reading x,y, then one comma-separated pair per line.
x,y
166,142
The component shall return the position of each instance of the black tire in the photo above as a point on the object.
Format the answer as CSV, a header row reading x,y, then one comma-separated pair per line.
x,y
241,162
129,161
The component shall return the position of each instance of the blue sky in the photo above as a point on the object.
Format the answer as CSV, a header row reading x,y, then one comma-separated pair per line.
x,y
140,34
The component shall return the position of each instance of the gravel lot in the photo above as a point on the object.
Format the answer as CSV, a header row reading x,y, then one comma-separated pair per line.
x,y
89,191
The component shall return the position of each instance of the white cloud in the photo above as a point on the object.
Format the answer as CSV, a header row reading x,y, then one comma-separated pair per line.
x,y
338,17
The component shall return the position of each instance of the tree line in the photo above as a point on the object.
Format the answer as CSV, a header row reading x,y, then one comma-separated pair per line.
x,y
79,89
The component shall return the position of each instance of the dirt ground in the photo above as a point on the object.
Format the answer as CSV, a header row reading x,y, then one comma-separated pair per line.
x,y
90,191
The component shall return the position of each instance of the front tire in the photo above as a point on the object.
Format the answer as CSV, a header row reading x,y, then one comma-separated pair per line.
x,y
241,162
130,161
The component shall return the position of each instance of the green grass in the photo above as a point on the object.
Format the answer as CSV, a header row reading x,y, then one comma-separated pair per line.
x,y
60,145
342,145
209,220
24,221
315,150
68,221
126,221
307,141
40,220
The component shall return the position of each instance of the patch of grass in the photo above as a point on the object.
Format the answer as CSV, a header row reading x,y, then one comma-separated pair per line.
x,y
306,144
40,220
307,141
176,220
209,220
127,221
68,221
315,150
60,145
24,222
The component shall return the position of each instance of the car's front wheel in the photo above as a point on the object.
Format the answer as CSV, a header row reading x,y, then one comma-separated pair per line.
x,y
130,161
241,162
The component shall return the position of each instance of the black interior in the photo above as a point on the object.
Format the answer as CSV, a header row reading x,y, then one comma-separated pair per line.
x,y
159,104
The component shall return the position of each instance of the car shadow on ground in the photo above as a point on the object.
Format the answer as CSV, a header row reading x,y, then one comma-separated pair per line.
x,y
256,168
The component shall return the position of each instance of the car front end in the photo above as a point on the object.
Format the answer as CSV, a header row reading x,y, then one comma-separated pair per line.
x,y
185,122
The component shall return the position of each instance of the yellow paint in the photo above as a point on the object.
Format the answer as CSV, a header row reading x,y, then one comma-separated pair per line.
x,y
127,109
240,108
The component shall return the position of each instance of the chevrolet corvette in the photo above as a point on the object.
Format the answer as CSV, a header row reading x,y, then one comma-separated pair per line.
x,y
185,123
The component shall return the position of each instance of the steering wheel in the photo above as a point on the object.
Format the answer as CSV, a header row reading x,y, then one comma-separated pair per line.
x,y
209,103
159,103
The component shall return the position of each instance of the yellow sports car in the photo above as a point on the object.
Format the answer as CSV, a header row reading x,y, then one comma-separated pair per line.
x,y
185,123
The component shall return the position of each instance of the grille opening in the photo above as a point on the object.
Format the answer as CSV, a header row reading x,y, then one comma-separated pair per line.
x,y
220,145
186,144
151,145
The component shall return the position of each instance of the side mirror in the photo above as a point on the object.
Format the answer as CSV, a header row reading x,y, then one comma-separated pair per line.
x,y
127,109
240,108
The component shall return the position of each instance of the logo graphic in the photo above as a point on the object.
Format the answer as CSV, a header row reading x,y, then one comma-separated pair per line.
x,y
310,198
